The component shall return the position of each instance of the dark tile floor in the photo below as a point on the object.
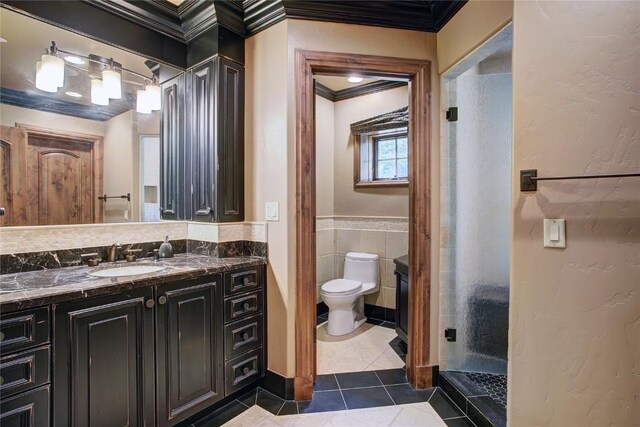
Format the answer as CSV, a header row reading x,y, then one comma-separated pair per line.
x,y
338,392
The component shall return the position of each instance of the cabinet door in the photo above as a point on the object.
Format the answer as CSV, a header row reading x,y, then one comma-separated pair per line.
x,y
202,149
104,361
172,141
189,348
230,142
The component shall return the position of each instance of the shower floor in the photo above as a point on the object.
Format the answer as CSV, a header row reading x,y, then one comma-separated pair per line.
x,y
481,396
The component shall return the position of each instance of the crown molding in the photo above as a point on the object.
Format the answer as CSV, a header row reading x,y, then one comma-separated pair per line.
x,y
356,91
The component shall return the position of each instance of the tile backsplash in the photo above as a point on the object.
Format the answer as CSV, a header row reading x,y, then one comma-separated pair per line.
x,y
36,248
386,237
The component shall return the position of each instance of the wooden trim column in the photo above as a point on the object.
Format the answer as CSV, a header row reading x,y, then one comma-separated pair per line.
x,y
417,73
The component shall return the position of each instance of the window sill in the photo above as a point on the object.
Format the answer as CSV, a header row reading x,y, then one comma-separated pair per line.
x,y
381,184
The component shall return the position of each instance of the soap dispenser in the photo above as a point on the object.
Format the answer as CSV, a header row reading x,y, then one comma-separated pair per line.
x,y
166,250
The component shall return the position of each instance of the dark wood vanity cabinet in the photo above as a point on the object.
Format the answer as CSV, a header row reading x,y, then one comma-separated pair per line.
x,y
172,149
207,116
189,345
402,297
104,361
157,355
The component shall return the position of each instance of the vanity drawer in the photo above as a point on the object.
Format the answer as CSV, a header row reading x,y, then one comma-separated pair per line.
x,y
242,336
242,281
242,306
24,371
243,370
24,329
30,409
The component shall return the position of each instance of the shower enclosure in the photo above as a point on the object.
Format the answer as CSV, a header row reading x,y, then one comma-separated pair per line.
x,y
475,220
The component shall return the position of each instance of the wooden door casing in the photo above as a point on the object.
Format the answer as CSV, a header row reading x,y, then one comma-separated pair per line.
x,y
13,187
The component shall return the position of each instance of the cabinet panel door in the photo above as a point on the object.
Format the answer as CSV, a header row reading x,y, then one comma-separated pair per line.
x,y
202,131
172,141
189,348
29,409
104,362
230,141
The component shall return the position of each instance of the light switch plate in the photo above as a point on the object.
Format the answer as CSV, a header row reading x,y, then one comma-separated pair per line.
x,y
272,211
554,233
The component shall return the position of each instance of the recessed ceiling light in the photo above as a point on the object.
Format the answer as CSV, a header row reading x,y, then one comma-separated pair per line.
x,y
3,40
354,79
73,94
74,59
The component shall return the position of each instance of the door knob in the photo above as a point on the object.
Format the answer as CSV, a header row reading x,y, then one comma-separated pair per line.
x,y
162,300
150,303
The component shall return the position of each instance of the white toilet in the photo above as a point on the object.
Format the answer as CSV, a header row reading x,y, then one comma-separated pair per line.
x,y
344,297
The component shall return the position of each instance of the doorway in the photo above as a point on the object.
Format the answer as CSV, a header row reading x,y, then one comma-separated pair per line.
x,y
475,214
417,74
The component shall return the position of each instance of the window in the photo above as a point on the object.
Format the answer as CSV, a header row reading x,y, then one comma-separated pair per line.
x,y
390,157
382,159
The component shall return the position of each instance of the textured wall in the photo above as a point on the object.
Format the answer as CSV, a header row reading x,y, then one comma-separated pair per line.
x,y
325,169
574,339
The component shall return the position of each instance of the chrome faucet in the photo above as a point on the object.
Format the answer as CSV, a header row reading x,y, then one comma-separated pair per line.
x,y
113,252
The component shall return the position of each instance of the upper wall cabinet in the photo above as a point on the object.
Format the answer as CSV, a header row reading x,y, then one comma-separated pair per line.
x,y
206,159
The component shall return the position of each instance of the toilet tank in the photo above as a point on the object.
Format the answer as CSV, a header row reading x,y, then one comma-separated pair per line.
x,y
362,267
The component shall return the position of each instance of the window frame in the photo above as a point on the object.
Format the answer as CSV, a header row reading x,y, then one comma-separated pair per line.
x,y
365,160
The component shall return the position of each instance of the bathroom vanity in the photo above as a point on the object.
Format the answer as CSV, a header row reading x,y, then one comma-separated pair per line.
x,y
402,297
132,350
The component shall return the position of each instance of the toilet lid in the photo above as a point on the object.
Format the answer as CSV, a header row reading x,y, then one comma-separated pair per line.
x,y
342,286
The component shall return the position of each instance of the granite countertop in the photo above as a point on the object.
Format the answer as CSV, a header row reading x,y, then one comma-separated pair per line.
x,y
43,287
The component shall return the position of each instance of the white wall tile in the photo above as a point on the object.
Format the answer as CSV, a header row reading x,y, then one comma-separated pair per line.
x,y
326,243
325,268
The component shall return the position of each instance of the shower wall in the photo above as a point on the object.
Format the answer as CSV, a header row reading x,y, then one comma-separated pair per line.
x,y
478,225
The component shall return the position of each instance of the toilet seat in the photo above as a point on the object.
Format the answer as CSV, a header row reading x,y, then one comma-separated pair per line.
x,y
342,287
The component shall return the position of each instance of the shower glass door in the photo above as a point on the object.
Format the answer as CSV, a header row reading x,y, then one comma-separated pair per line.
x,y
476,221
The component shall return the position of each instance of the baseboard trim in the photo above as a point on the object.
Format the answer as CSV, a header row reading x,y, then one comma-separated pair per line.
x,y
370,310
279,385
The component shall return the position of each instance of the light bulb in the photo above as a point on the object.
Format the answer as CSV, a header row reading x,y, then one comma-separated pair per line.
x,y
354,79
112,84
98,94
142,103
53,68
43,81
153,95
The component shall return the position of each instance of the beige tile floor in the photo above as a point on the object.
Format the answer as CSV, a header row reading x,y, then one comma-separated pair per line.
x,y
365,349
415,414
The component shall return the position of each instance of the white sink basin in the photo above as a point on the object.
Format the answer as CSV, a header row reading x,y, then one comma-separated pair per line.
x,y
130,270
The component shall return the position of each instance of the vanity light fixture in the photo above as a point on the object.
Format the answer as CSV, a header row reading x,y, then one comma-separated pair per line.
x,y
354,79
3,40
105,74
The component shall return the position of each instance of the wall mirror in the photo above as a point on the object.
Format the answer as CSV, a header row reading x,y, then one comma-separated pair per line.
x,y
80,120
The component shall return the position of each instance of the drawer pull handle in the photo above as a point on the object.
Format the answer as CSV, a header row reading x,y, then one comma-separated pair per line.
x,y
245,370
162,300
245,336
246,306
150,303
245,281
1,380
1,336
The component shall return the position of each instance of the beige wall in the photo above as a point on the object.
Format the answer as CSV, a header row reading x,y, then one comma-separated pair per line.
x,y
371,201
469,28
574,338
325,147
270,127
118,166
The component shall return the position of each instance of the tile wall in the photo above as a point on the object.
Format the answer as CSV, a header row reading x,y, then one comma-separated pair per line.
x,y
385,236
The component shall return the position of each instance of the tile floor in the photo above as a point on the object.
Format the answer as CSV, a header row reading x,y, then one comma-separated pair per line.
x,y
365,349
369,398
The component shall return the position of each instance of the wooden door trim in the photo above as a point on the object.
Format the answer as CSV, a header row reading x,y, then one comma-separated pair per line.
x,y
97,143
417,73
